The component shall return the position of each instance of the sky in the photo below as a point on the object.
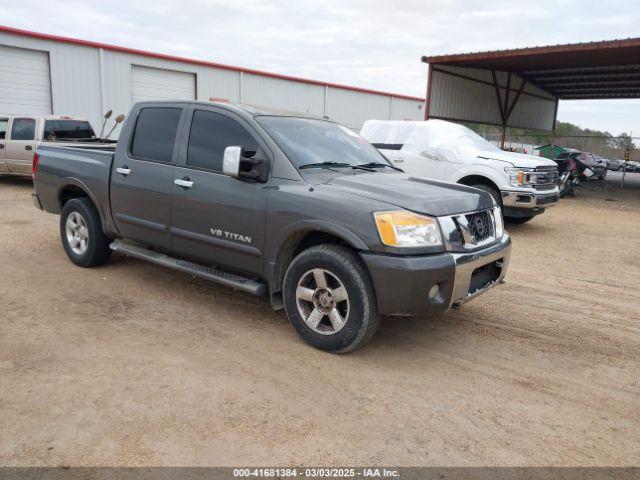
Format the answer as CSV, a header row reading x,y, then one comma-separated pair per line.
x,y
372,44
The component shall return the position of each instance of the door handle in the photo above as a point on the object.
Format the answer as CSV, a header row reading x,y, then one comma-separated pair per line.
x,y
1,146
123,170
28,147
184,183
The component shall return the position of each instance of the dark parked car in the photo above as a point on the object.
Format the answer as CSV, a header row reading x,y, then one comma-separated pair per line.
x,y
614,164
633,166
302,210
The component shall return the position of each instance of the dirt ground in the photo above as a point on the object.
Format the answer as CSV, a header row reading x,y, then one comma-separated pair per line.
x,y
132,364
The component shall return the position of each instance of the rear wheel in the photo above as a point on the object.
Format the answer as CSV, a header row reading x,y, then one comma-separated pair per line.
x,y
329,299
81,233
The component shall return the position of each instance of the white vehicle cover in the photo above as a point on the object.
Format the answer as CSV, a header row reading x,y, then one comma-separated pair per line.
x,y
437,138
442,140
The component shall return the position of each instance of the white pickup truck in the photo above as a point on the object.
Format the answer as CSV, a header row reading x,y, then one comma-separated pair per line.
x,y
20,135
524,185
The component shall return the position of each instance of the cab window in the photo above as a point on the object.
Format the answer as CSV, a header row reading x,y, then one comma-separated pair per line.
x,y
3,128
155,133
210,134
23,129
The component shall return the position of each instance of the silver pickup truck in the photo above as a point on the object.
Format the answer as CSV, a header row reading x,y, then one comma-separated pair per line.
x,y
21,135
302,210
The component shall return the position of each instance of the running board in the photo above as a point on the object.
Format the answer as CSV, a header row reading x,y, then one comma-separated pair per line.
x,y
238,282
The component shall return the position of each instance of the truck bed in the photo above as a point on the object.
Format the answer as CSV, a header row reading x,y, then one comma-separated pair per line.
x,y
63,167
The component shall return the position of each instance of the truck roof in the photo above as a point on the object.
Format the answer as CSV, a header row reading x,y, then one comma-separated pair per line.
x,y
242,108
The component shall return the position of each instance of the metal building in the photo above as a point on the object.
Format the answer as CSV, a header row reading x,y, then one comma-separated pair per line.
x,y
521,88
46,74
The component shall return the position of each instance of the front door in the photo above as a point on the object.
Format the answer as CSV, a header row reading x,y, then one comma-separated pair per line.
x,y
142,176
21,145
217,219
436,165
4,125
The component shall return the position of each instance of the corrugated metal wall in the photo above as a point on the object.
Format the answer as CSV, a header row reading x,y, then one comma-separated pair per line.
x,y
87,81
456,96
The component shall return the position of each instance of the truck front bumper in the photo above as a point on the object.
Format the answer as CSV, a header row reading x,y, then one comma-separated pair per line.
x,y
431,284
525,203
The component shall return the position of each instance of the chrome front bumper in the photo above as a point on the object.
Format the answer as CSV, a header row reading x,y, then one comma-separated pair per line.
x,y
468,282
528,199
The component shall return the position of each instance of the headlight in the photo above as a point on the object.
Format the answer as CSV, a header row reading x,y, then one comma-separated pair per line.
x,y
497,215
521,177
400,228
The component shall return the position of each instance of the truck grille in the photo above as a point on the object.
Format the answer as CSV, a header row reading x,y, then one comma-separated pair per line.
x,y
468,231
546,178
480,225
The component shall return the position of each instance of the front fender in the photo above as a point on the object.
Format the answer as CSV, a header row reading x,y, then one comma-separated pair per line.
x,y
325,226
491,173
288,239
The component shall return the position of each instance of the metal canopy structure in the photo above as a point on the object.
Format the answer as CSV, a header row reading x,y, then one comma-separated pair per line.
x,y
497,82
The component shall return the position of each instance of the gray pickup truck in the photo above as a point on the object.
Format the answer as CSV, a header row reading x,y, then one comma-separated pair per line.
x,y
300,209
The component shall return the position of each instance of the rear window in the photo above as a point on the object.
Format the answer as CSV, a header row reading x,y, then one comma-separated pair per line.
x,y
23,129
3,128
55,130
155,133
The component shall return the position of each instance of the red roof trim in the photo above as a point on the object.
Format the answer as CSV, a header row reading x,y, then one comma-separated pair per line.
x,y
115,48
522,52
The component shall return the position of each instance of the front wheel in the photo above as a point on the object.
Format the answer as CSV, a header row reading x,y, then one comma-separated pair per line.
x,y
81,233
329,299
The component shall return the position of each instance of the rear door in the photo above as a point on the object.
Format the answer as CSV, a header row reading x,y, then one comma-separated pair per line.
x,y
217,219
4,125
21,144
142,175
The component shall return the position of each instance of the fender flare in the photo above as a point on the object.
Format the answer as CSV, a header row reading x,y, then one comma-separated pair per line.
x,y
309,225
480,172
76,182
286,242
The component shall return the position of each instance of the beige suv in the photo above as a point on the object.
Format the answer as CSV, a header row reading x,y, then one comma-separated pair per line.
x,y
20,135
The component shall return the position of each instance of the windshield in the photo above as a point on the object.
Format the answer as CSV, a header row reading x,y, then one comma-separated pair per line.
x,y
55,130
307,141
476,141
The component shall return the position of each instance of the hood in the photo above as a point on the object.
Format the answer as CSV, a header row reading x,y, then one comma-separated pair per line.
x,y
420,195
517,159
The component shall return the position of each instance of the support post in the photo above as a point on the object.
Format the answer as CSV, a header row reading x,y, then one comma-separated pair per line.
x,y
428,97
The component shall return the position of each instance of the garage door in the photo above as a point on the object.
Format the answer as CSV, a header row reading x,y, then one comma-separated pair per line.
x,y
159,84
25,83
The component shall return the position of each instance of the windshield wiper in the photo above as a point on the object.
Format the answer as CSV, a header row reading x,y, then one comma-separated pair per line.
x,y
324,165
377,165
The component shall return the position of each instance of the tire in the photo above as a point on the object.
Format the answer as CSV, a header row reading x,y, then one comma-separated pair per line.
x,y
81,233
568,189
491,191
519,220
358,320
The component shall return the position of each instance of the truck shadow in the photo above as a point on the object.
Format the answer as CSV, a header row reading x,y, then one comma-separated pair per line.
x,y
26,182
226,308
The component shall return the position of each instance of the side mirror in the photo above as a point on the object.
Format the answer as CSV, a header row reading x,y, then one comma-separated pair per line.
x,y
427,154
236,165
